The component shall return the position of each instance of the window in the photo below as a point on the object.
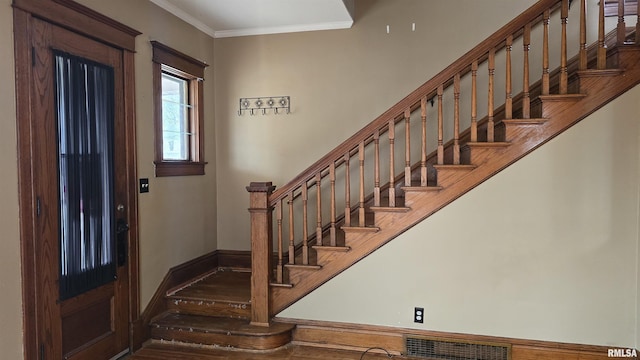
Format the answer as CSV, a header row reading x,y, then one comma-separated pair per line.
x,y
178,113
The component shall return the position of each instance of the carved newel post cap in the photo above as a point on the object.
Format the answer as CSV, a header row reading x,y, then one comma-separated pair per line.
x,y
267,187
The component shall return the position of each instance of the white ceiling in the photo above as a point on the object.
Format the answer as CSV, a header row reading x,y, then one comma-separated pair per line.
x,y
228,18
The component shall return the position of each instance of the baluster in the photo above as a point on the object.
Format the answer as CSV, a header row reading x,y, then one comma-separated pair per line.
x,y
279,268
545,53
407,148
638,23
440,126
508,103
361,198
474,101
526,100
392,180
492,70
563,48
583,35
292,246
376,169
332,229
622,29
637,41
347,190
423,151
456,119
602,50
305,224
319,207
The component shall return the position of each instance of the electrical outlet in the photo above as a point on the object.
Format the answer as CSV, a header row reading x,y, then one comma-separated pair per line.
x,y
418,315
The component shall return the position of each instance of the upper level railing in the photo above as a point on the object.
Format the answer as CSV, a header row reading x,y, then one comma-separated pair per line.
x,y
401,146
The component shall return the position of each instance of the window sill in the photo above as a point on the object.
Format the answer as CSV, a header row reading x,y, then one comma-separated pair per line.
x,y
179,168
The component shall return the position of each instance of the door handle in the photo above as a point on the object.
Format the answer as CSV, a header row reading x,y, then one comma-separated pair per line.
x,y
122,228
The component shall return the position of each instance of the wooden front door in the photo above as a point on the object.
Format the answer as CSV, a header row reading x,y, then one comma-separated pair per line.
x,y
80,189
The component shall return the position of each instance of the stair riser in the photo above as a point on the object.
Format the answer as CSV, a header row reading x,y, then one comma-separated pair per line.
x,y
447,177
592,84
628,57
297,274
266,342
379,215
325,257
209,308
480,155
524,131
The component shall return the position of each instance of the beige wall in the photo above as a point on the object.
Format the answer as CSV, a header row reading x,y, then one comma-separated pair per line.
x,y
546,249
11,309
178,216
338,82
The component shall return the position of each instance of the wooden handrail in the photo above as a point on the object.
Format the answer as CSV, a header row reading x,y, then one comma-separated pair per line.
x,y
533,15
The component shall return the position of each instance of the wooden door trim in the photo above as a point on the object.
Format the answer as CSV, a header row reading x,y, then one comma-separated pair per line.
x,y
81,19
86,22
22,44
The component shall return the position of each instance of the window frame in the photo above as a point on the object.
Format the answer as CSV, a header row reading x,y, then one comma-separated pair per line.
x,y
172,62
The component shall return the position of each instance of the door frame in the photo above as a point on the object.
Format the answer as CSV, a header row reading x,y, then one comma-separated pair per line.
x,y
82,20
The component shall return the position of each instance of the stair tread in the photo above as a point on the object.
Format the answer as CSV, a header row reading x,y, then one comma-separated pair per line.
x,y
562,97
222,286
202,295
454,167
332,248
600,72
361,228
421,188
303,267
531,121
221,325
390,208
488,144
281,285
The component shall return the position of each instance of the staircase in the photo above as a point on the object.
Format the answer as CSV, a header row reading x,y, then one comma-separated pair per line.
x,y
215,311
410,162
415,158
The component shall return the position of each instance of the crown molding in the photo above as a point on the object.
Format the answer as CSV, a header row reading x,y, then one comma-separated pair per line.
x,y
166,5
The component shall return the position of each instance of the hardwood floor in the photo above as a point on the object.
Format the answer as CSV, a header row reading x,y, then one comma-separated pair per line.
x,y
174,352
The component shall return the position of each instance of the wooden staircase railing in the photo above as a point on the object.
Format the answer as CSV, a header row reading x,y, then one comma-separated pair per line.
x,y
410,145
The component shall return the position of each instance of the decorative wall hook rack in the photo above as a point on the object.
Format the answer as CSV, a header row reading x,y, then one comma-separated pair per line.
x,y
277,104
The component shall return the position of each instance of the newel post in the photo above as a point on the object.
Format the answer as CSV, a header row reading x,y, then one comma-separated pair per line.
x,y
261,250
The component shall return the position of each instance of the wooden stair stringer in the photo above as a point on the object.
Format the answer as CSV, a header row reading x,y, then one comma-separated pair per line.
x,y
560,114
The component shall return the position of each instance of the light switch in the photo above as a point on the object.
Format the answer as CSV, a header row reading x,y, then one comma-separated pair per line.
x,y
144,185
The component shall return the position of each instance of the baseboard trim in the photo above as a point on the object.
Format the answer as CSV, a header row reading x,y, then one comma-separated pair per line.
x,y
177,277
361,337
234,259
